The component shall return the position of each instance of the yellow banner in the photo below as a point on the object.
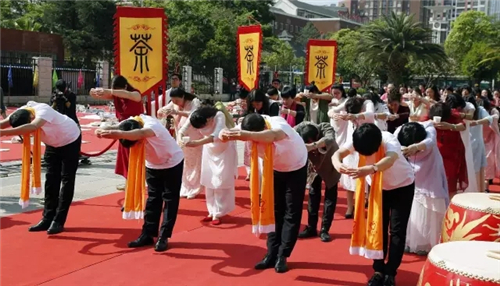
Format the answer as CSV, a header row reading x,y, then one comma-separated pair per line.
x,y
321,63
141,51
249,45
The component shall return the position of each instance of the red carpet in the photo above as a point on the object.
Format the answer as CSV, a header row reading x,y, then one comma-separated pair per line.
x,y
91,144
93,251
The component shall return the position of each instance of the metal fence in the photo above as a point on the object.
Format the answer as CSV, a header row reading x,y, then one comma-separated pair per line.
x,y
70,71
22,70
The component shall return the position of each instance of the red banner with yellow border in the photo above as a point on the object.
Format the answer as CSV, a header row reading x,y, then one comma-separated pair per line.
x,y
321,63
140,47
249,48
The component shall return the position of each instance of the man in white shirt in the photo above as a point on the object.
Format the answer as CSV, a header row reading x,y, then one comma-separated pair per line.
x,y
62,139
397,196
175,82
164,167
290,177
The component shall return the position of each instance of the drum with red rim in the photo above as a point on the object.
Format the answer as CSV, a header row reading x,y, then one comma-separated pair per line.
x,y
462,263
472,216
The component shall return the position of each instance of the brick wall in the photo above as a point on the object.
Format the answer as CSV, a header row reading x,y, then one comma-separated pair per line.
x,y
17,43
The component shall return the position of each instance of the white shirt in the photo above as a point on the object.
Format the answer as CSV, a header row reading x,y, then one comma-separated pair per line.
x,y
290,154
400,174
160,99
59,130
162,152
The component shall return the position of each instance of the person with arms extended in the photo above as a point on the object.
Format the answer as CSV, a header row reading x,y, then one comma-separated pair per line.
x,y
382,165
321,145
62,139
219,163
285,164
164,163
128,103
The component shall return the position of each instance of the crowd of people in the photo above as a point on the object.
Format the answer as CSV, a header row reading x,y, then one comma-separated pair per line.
x,y
400,155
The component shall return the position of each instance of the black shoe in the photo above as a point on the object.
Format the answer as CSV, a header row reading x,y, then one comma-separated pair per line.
x,y
389,280
324,236
55,228
42,225
280,266
376,280
349,216
308,232
161,245
142,241
268,262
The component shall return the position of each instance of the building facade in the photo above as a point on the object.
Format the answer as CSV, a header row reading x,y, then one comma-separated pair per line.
x,y
444,12
24,45
375,9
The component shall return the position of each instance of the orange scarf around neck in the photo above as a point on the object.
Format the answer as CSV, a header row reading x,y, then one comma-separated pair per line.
x,y
36,169
367,233
263,209
136,186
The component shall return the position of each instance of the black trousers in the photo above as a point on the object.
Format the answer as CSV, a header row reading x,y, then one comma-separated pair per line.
x,y
396,206
289,192
164,190
315,201
62,163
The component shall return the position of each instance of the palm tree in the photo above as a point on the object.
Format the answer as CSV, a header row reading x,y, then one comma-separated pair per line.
x,y
394,40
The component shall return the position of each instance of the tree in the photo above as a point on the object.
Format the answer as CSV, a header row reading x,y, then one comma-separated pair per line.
x,y
21,15
469,28
282,56
206,40
350,63
393,41
308,32
85,26
473,43
473,66
431,71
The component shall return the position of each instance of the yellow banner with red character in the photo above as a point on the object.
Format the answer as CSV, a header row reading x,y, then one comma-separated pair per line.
x,y
249,47
321,63
140,47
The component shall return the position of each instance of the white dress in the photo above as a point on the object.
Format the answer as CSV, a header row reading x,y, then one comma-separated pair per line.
x,y
477,142
431,197
191,185
351,161
219,170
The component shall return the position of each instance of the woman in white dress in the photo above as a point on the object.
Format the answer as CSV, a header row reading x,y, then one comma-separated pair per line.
x,y
219,168
356,111
491,143
481,117
182,104
431,198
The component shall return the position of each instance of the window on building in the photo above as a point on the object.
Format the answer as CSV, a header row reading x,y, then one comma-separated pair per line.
x,y
275,25
296,29
291,28
286,27
281,26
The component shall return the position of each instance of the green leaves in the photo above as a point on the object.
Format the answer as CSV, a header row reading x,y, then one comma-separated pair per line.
x,y
473,43
393,41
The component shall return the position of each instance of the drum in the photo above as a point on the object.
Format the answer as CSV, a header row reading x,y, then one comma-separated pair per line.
x,y
472,216
462,263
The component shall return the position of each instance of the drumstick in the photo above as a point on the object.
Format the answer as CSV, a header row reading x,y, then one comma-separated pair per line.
x,y
495,254
495,197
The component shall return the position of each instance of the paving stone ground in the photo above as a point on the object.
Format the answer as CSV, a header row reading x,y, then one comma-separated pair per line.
x,y
92,181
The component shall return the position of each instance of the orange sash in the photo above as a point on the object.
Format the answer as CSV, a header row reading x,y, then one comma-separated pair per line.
x,y
367,236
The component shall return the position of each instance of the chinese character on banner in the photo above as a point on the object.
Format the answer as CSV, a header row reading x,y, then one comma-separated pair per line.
x,y
249,46
321,63
141,47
